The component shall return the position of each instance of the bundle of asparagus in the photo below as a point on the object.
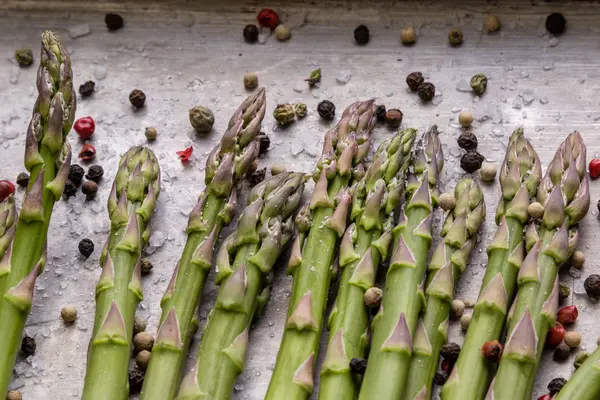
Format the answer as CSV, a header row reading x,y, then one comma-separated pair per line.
x,y
584,384
119,289
264,228
313,251
363,245
226,165
47,157
448,261
519,179
395,324
564,192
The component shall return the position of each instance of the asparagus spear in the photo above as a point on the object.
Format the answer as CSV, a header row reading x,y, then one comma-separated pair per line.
x,y
47,157
264,227
564,192
119,289
226,165
519,178
8,217
375,198
313,251
448,261
584,384
396,321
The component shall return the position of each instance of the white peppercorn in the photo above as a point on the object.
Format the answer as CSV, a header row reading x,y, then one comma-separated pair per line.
x,y
465,119
535,210
408,35
457,308
488,172
572,339
277,169
68,313
282,33
465,320
447,201
491,23
577,259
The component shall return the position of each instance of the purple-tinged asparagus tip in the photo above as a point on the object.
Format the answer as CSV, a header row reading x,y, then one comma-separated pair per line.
x,y
303,376
399,340
336,359
169,335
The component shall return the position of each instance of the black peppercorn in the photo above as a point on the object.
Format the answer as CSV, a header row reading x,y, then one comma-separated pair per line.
x,y
592,286
146,266
556,23
86,247
265,142
87,89
556,385
450,352
467,140
76,174
136,380
90,188
393,117
426,91
361,34
113,21
380,113
28,346
440,378
70,189
95,173
414,80
326,110
358,365
137,98
561,352
251,33
23,179
257,176
471,161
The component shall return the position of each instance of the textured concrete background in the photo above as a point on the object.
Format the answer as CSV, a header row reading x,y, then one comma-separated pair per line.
x,y
187,53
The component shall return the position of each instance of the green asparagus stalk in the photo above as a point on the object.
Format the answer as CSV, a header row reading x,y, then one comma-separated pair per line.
x,y
264,227
395,324
448,261
584,384
47,157
314,250
375,198
119,289
519,179
8,219
226,165
564,192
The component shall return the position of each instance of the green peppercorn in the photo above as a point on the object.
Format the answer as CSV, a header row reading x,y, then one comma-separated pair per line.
x,y
284,114
314,77
151,134
202,119
300,110
326,110
455,37
563,292
24,57
479,83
